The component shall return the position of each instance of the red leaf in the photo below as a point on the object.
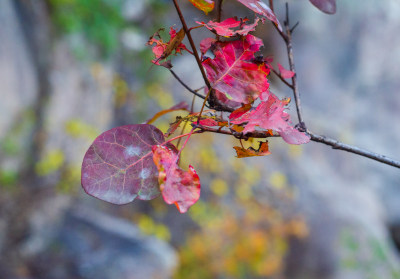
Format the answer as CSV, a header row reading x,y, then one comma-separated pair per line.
x,y
162,50
223,28
270,115
208,122
262,150
240,111
326,6
118,166
206,44
205,5
261,8
285,73
235,72
179,106
177,186
226,27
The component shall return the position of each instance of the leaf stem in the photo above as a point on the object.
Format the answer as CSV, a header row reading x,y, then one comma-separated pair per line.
x,y
204,103
282,79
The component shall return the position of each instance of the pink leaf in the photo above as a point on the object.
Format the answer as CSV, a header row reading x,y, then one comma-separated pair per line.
x,y
206,44
270,115
208,122
326,6
162,50
285,73
235,72
177,186
118,166
227,27
261,8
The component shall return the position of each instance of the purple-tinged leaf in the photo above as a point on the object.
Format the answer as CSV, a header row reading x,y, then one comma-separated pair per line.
x,y
235,71
261,8
119,166
326,6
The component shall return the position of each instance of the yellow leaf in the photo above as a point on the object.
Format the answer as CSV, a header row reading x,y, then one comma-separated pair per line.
x,y
205,5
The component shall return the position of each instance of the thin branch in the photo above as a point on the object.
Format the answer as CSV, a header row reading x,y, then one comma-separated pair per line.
x,y
189,36
271,5
255,134
219,15
219,10
294,27
184,85
353,149
293,69
282,79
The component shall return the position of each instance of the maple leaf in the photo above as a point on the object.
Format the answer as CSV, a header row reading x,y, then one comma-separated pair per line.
x,y
285,73
205,5
162,50
226,27
261,8
177,186
262,150
118,166
270,115
235,72
326,6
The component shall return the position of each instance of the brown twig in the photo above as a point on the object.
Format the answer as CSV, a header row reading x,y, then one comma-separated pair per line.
x,y
193,46
353,149
219,10
282,79
271,5
295,89
314,137
185,85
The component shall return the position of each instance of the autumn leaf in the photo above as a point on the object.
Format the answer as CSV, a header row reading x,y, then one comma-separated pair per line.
x,y
270,115
235,73
179,106
227,27
250,152
205,5
261,8
285,73
326,6
208,122
205,44
162,50
118,166
177,186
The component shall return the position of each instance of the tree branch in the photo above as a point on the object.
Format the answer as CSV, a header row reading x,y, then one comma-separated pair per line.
x,y
295,89
353,149
282,79
193,46
184,85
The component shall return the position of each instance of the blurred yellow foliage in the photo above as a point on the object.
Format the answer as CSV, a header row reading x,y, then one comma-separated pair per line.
x,y
278,180
295,151
148,226
219,187
50,163
163,98
246,239
77,128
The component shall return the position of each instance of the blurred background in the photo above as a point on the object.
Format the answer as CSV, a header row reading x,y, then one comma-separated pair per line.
x,y
71,69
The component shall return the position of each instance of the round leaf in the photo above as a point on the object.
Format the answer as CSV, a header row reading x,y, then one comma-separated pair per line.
x,y
118,166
